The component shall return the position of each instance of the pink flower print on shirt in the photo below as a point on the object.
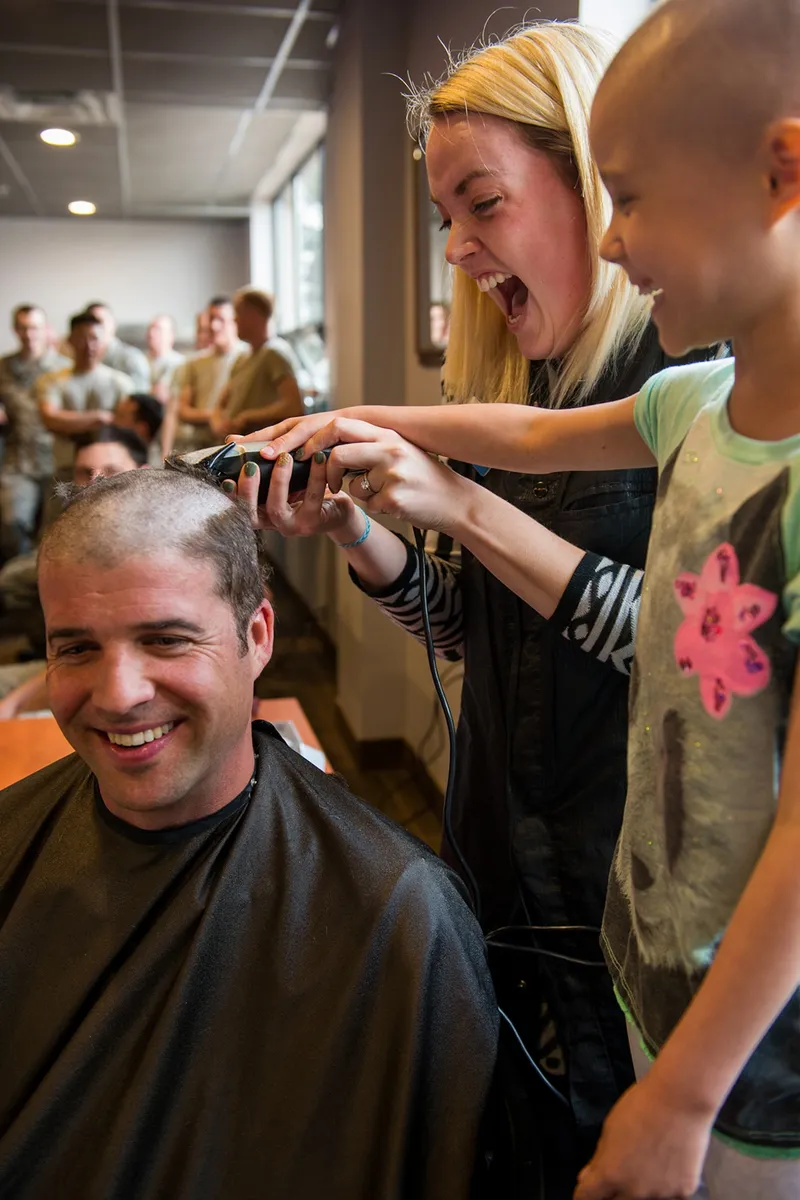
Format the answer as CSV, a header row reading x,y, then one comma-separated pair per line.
x,y
713,641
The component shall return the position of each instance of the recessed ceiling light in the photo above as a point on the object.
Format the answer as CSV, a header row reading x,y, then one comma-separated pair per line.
x,y
58,137
82,208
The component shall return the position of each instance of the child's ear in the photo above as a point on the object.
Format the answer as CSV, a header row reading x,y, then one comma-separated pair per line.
x,y
782,146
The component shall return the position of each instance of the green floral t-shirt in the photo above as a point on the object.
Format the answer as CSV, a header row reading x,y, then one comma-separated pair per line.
x,y
710,693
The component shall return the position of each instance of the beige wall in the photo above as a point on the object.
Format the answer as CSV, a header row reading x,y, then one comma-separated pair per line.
x,y
139,267
383,681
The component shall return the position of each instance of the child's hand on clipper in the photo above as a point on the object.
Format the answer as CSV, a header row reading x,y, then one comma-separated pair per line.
x,y
289,435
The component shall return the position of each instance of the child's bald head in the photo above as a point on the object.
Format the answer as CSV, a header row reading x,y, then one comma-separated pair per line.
x,y
696,132
712,72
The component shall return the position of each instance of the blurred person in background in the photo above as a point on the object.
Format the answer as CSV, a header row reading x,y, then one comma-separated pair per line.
x,y
144,414
202,331
106,452
165,361
204,378
28,465
118,354
82,396
440,323
263,386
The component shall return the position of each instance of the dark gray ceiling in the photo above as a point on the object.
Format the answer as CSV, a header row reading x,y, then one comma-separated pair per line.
x,y
180,105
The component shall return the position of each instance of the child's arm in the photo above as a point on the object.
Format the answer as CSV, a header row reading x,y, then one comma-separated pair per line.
x,y
512,437
650,1137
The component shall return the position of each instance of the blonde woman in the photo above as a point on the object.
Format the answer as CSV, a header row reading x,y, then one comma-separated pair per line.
x,y
537,318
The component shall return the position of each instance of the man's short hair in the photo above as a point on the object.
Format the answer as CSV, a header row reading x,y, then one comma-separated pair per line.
x,y
219,301
262,302
181,510
83,318
22,310
148,409
98,304
128,438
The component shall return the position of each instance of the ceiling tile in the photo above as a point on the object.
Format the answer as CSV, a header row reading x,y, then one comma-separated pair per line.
x,y
184,79
43,74
87,171
201,33
190,70
50,24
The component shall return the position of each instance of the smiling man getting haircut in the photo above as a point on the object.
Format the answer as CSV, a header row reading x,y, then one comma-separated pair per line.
x,y
223,976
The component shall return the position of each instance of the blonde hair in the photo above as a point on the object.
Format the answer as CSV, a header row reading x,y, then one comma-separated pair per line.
x,y
542,78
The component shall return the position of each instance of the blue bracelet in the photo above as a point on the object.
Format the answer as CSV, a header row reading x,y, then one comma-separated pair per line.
x,y
358,541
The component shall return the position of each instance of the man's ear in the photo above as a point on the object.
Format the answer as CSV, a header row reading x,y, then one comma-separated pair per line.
x,y
261,635
782,153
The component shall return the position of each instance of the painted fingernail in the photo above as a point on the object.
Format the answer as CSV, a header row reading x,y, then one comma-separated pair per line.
x,y
284,460
250,469
319,457
300,453
228,486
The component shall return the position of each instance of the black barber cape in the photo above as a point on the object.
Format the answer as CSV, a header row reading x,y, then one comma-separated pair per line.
x,y
287,1000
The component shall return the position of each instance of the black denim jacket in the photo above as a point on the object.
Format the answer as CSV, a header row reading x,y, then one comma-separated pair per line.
x,y
540,776
541,754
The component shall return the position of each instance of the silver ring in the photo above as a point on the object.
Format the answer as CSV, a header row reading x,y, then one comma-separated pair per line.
x,y
366,486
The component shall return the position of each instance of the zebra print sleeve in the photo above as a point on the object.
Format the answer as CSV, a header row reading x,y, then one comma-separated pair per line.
x,y
401,601
600,609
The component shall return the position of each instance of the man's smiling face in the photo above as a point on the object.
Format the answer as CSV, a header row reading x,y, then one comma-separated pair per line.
x,y
148,682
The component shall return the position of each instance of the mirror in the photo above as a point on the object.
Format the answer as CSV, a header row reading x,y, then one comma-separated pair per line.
x,y
434,283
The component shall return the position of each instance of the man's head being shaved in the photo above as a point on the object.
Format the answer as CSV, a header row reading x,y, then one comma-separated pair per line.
x,y
138,513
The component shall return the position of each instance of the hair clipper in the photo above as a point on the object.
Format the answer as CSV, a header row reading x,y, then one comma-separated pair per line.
x,y
226,462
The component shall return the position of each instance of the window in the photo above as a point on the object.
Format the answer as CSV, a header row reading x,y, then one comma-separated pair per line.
x,y
308,240
283,260
297,226
297,230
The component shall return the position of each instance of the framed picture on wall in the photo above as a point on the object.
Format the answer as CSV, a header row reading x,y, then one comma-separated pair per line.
x,y
434,283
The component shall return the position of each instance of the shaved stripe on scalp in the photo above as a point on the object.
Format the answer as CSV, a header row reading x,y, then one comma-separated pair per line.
x,y
152,512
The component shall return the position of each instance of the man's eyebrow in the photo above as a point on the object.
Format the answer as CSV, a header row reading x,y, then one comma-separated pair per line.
x,y
71,631
68,631
169,623
478,173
